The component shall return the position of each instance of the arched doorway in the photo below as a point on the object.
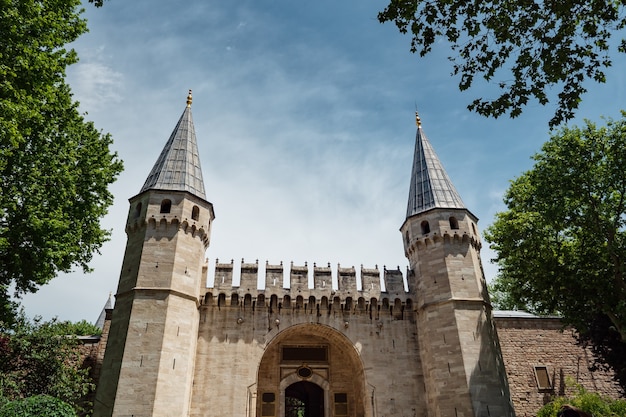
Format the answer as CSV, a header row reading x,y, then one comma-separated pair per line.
x,y
311,370
304,399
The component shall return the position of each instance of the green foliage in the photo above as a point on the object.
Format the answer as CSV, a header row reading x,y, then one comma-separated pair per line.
x,y
39,405
55,167
500,299
590,403
41,358
525,48
79,328
561,243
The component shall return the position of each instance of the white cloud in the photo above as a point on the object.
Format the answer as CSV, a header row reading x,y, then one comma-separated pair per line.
x,y
96,85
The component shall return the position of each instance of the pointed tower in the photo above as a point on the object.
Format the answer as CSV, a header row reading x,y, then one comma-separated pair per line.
x,y
149,360
463,369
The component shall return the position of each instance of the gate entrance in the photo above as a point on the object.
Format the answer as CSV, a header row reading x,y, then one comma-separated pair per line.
x,y
304,399
311,370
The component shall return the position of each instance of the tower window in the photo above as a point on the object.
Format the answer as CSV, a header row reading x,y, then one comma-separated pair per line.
x,y
425,227
166,206
454,223
195,213
138,210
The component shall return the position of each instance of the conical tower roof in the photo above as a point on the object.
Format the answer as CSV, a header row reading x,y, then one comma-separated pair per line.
x,y
102,316
430,185
178,167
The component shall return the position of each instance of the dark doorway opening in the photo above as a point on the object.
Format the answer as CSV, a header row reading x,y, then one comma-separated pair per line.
x,y
304,399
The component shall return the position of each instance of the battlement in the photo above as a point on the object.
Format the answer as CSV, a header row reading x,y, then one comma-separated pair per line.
x,y
232,283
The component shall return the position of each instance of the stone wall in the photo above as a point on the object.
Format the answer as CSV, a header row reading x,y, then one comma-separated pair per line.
x,y
230,352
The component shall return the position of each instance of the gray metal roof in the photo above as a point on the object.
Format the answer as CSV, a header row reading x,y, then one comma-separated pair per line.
x,y
102,316
430,185
178,167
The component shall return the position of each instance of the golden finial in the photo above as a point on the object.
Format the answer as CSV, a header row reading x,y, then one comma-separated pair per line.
x,y
189,99
418,121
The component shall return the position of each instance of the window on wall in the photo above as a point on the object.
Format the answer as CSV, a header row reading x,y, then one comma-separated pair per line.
x,y
268,406
341,404
454,223
195,213
304,353
543,377
166,206
425,227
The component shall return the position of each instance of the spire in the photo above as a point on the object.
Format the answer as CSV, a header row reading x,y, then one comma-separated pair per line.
x,y
430,185
178,166
102,317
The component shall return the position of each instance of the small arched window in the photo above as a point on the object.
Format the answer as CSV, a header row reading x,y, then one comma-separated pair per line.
x,y
138,210
406,237
195,213
454,223
425,227
166,206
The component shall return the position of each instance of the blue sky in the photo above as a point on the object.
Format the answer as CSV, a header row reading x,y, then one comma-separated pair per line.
x,y
304,113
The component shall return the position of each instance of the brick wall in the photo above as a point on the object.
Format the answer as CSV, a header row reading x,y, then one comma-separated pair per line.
x,y
528,342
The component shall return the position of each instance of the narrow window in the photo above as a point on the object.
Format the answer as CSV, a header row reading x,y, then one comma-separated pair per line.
x,y
454,223
138,210
406,237
195,213
341,404
543,378
166,206
425,227
268,404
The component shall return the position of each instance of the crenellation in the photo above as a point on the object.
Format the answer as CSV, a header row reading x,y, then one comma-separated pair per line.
x,y
299,279
223,278
322,277
394,281
346,280
249,276
349,286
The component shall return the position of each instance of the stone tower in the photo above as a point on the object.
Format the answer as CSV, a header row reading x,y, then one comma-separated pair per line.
x,y
463,370
150,356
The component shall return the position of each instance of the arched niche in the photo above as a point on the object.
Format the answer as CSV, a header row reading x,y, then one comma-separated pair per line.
x,y
312,352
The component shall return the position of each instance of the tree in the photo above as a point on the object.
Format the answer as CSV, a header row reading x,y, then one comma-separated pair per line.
x,y
586,402
524,48
561,243
55,166
40,358
39,405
